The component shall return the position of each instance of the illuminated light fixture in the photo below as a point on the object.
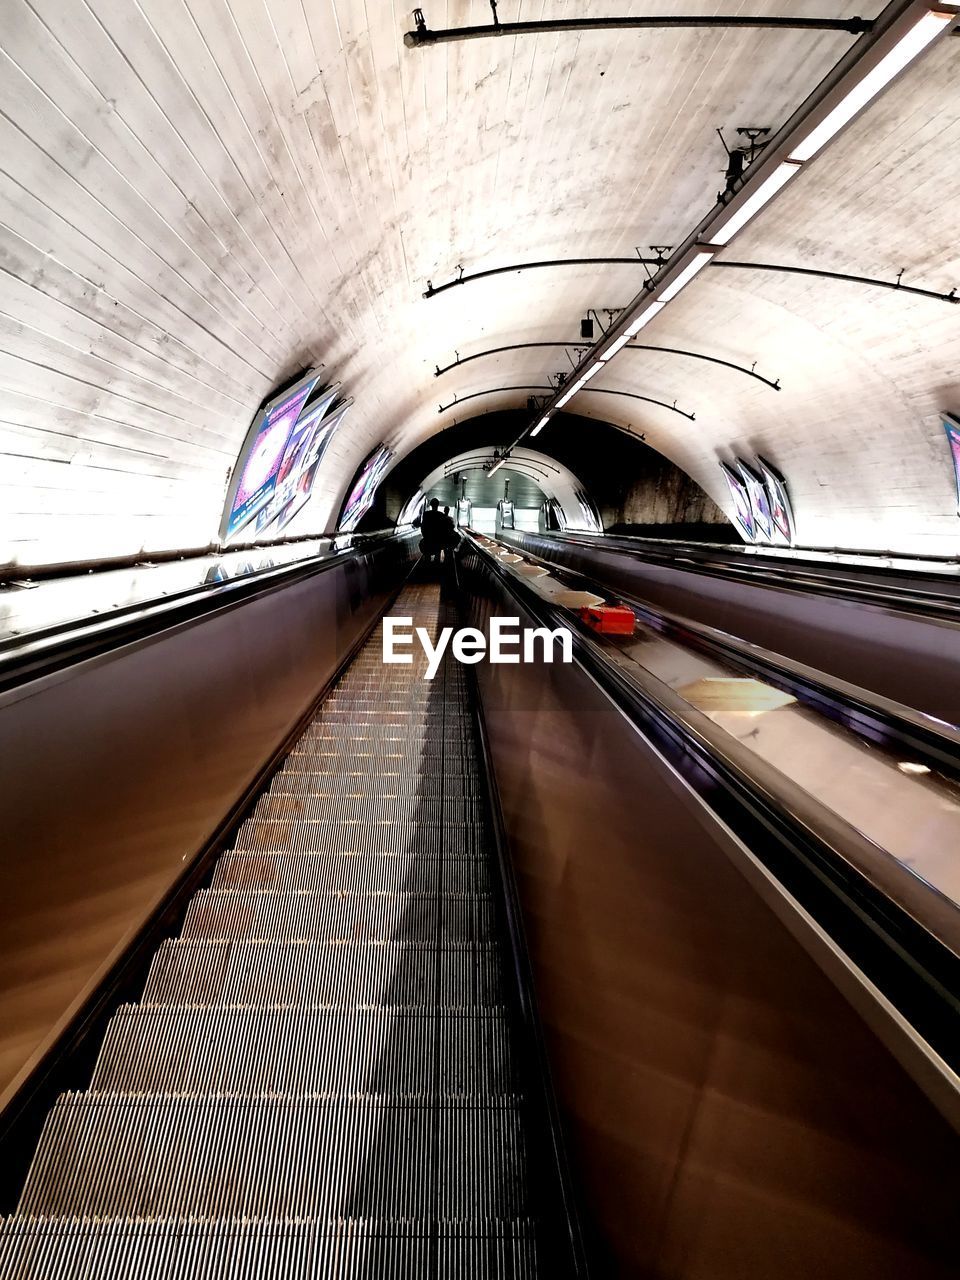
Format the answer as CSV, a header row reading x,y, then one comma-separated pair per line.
x,y
903,52
568,395
752,206
540,425
912,767
591,372
494,469
696,264
653,309
616,346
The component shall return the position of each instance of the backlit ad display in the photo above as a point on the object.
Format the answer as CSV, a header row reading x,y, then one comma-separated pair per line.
x,y
742,509
759,503
361,495
300,464
952,427
263,454
781,512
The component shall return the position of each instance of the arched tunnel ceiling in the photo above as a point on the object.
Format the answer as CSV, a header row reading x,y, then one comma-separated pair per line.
x,y
200,197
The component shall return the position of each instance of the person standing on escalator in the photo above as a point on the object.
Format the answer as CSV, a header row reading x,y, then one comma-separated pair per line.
x,y
434,531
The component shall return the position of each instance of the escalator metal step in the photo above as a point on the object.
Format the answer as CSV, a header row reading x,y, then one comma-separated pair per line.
x,y
441,840
188,1249
350,873
393,974
405,1157
305,1051
409,917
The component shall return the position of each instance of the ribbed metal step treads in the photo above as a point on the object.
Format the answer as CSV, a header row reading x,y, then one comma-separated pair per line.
x,y
239,1249
279,1157
319,1080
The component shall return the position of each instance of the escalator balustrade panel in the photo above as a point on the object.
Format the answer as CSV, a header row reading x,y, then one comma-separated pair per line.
x,y
320,1078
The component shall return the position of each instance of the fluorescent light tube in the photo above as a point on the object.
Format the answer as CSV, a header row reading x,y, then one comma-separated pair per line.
x,y
591,372
653,309
568,395
902,53
685,276
752,206
540,425
612,351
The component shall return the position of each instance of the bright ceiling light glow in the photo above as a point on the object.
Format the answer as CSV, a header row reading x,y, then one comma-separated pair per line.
x,y
540,425
591,372
763,195
612,350
903,53
914,767
567,396
685,276
653,309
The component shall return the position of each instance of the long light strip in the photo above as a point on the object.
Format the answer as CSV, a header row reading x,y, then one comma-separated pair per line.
x,y
644,318
902,53
697,263
916,39
750,208
612,351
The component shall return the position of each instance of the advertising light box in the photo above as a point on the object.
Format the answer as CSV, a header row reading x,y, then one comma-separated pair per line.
x,y
298,470
781,512
759,503
361,495
951,426
742,509
273,455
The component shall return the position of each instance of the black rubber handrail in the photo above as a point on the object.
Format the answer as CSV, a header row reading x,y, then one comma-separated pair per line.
x,y
42,652
905,590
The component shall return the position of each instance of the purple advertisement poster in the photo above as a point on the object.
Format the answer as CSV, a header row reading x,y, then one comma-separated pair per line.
x,y
952,427
742,509
301,461
759,503
263,455
781,512
361,495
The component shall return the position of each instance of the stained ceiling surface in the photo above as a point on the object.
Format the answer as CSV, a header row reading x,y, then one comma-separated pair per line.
x,y
200,198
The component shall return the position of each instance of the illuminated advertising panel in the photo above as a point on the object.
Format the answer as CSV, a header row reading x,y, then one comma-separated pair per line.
x,y
951,426
781,512
361,495
742,509
301,461
759,503
263,452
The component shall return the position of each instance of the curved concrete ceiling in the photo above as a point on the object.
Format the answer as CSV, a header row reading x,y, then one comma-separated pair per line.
x,y
200,197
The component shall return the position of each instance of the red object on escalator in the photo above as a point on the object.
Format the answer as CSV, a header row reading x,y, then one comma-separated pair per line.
x,y
609,619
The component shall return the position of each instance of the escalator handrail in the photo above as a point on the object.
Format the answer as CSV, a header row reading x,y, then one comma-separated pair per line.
x,y
802,576
52,649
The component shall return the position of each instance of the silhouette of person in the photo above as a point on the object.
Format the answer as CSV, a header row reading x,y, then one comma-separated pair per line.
x,y
434,530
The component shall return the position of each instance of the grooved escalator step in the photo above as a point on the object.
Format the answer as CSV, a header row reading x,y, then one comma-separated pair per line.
x,y
443,840
104,1155
324,973
188,1249
305,1051
350,873
339,917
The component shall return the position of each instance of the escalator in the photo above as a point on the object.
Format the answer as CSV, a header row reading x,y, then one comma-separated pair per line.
x,y
326,1073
